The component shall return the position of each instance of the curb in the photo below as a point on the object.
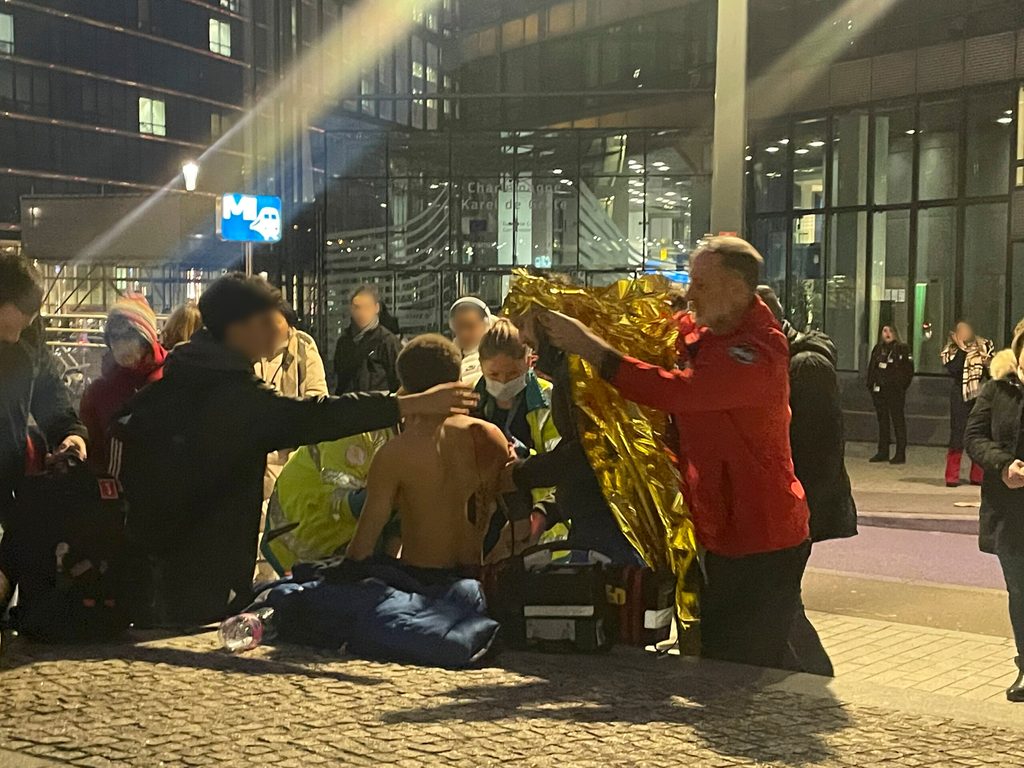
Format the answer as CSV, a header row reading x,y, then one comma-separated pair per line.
x,y
908,521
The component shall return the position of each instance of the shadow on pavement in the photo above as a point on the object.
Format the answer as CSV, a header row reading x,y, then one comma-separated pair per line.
x,y
286,660
732,708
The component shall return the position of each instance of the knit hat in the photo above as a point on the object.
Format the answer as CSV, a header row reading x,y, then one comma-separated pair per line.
x,y
132,311
234,298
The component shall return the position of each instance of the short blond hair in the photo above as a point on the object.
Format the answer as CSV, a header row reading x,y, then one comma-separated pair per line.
x,y
736,255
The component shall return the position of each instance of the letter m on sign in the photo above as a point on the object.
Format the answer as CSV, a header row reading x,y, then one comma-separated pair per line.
x,y
238,205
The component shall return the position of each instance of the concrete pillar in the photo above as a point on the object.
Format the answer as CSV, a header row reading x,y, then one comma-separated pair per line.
x,y
730,139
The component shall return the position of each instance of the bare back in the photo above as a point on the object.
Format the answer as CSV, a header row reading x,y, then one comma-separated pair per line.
x,y
430,473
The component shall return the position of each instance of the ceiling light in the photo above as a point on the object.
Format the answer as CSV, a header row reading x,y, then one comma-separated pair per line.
x,y
783,141
1005,120
801,151
772,150
816,143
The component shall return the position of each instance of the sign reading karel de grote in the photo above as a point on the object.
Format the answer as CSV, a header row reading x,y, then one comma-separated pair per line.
x,y
249,218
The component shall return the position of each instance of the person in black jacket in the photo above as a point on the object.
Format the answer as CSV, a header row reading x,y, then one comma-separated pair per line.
x,y
30,387
194,447
819,457
364,358
994,438
890,371
579,500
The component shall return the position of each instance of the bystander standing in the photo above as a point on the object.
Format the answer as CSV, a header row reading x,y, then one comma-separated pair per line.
x,y
364,358
966,358
730,399
993,438
890,372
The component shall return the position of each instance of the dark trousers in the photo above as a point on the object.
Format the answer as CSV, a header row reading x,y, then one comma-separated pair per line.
x,y
959,412
1013,573
889,407
748,605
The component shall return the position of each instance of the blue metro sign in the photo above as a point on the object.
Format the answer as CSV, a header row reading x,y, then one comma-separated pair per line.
x,y
249,218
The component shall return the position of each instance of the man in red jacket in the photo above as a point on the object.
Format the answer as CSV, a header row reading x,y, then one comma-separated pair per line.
x,y
729,398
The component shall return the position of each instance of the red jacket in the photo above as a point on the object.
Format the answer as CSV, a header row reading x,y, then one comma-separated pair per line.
x,y
730,399
106,396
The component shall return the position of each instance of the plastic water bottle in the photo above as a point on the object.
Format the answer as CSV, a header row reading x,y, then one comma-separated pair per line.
x,y
247,630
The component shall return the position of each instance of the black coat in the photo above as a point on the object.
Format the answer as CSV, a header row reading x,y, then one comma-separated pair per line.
x,y
30,385
366,365
194,450
816,435
580,500
899,370
994,439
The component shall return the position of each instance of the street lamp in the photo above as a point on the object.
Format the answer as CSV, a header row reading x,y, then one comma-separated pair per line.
x,y
190,171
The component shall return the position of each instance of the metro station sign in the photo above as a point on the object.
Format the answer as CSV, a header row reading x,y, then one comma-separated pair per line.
x,y
249,218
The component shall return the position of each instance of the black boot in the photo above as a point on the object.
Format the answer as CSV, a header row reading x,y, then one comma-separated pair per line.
x,y
878,458
1016,691
900,457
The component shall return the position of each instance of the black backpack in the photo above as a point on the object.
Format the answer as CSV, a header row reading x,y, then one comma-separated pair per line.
x,y
66,532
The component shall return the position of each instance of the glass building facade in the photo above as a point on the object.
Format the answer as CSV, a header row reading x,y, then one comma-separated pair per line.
x,y
893,213
433,215
573,136
884,191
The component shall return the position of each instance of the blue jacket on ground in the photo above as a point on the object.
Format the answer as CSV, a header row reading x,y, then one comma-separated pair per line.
x,y
384,611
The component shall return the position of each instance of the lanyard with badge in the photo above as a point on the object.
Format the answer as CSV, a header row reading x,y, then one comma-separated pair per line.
x,y
882,365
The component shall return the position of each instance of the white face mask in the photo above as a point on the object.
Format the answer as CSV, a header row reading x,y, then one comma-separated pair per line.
x,y
507,391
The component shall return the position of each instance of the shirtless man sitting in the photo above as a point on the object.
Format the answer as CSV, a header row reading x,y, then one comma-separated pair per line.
x,y
441,474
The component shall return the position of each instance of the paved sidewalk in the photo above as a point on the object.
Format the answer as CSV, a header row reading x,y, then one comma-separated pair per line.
x,y
913,495
182,702
961,664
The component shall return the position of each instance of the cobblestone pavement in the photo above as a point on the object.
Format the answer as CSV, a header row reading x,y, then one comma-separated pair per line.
x,y
182,702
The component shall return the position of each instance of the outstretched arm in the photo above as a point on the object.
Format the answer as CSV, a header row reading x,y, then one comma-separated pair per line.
x,y
724,378
381,492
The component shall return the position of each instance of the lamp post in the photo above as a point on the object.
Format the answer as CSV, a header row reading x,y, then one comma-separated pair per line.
x,y
190,172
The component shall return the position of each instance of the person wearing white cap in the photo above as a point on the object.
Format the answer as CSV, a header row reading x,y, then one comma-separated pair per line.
x,y
469,318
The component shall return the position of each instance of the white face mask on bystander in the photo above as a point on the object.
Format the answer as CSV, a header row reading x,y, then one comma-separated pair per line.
x,y
505,392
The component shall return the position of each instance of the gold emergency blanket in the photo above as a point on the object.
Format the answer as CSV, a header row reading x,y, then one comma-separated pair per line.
x,y
624,441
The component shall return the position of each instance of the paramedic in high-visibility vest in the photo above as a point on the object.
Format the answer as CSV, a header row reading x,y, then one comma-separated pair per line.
x,y
729,397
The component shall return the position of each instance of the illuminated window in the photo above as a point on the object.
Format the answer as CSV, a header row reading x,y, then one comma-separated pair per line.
x,y
152,116
6,33
231,5
220,37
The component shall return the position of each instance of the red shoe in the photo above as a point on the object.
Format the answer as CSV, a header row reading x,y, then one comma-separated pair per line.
x,y
977,474
953,468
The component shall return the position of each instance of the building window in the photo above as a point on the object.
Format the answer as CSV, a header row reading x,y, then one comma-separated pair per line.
x,y
219,124
220,37
6,33
152,116
231,5
935,285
